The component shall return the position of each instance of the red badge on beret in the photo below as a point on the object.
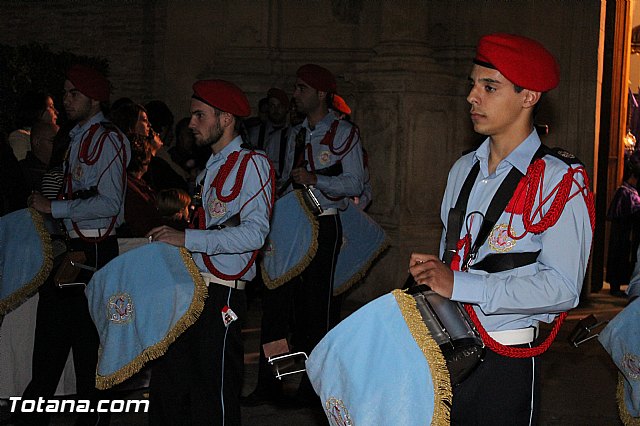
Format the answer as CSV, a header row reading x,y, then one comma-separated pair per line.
x,y
317,77
340,105
523,61
89,82
223,95
280,95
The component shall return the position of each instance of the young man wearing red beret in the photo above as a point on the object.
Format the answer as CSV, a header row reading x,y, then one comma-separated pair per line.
x,y
320,142
198,380
524,262
91,208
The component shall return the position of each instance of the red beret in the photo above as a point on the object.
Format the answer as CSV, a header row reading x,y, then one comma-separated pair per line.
x,y
340,105
280,95
317,77
525,62
223,95
89,82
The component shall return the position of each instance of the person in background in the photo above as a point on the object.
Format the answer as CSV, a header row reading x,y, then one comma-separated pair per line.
x,y
33,108
624,235
174,207
36,163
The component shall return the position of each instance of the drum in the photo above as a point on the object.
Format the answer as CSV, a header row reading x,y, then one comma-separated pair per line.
x,y
621,339
380,366
452,329
26,257
292,241
362,242
141,302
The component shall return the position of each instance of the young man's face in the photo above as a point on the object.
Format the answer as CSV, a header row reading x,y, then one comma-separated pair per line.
x,y
307,98
77,106
277,111
496,108
205,123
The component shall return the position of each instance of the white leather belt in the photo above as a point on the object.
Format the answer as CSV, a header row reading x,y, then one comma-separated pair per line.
x,y
89,233
210,278
329,212
520,336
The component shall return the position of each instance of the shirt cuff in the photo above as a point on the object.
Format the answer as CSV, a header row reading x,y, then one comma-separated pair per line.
x,y
195,241
323,183
467,288
60,209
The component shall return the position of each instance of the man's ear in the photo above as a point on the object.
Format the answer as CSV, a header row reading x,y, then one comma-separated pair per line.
x,y
322,95
227,119
531,98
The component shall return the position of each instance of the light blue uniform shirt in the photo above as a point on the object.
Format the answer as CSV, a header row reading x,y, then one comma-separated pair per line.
x,y
523,296
106,173
231,248
350,182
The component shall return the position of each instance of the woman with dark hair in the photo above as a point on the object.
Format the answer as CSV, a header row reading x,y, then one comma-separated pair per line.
x,y
140,212
34,107
131,118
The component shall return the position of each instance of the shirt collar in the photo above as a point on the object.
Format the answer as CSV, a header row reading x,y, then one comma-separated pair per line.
x,y
326,122
520,157
80,129
234,145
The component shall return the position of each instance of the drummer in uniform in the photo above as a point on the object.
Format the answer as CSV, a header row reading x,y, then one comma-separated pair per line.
x,y
198,380
91,207
533,261
319,142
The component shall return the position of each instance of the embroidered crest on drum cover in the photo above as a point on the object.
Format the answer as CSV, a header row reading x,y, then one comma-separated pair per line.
x,y
324,158
77,172
631,365
216,208
337,412
120,308
499,239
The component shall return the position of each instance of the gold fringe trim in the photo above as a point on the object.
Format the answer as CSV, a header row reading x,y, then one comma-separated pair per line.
x,y
439,373
363,271
626,418
306,259
18,297
159,349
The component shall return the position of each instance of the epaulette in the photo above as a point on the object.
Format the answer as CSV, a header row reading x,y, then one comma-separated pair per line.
x,y
561,154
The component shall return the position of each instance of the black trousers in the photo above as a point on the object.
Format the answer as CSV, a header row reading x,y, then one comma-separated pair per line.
x,y
308,297
199,379
63,323
501,391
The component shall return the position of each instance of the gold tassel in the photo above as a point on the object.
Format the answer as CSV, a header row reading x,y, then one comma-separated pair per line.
x,y
439,372
306,259
159,349
626,418
18,297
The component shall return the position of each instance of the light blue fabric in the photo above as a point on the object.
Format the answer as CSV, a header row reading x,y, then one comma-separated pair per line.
x,y
106,174
521,297
362,241
621,338
155,290
289,239
22,258
372,364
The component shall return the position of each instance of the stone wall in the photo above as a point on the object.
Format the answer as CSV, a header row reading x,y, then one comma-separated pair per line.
x,y
401,65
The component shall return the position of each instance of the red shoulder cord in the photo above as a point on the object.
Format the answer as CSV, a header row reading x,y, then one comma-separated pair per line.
x,y
90,158
217,184
530,185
